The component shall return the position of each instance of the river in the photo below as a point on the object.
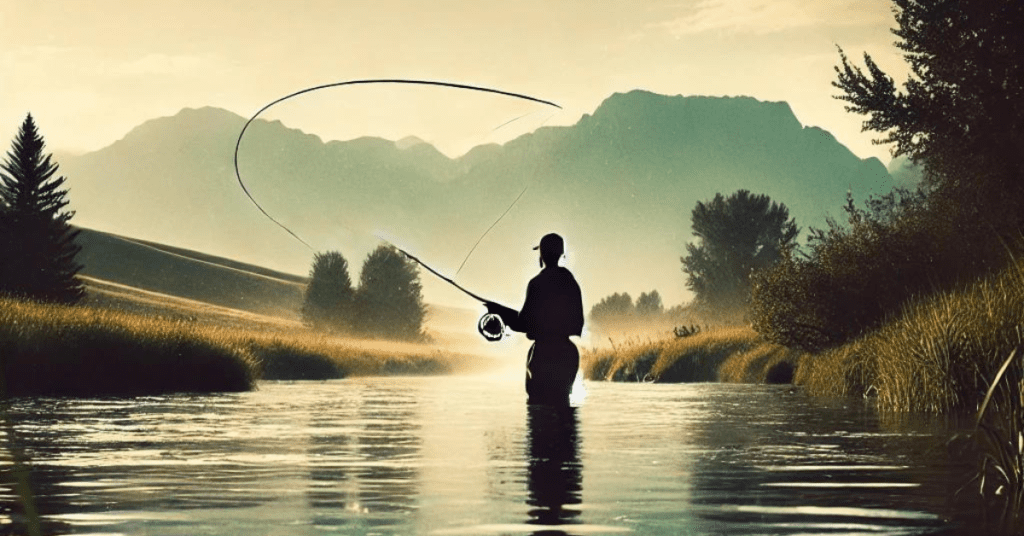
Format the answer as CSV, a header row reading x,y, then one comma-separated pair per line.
x,y
464,455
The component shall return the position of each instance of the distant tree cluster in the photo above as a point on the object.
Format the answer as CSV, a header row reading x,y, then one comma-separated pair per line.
x,y
737,236
388,302
620,307
37,242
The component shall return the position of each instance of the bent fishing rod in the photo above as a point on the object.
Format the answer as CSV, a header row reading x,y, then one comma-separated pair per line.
x,y
491,325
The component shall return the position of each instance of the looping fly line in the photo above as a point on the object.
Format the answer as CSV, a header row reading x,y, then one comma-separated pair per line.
x,y
452,85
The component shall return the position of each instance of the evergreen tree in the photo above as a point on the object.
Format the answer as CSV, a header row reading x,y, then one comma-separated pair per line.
x,y
389,301
329,298
737,235
38,243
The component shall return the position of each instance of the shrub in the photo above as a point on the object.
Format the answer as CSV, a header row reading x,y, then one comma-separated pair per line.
x,y
855,276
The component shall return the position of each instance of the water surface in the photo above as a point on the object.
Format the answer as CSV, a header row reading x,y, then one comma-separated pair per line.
x,y
464,455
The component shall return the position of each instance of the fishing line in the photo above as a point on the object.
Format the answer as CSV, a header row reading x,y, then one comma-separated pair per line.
x,y
404,81
532,176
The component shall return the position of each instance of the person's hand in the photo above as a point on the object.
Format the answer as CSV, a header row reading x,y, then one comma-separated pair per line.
x,y
504,312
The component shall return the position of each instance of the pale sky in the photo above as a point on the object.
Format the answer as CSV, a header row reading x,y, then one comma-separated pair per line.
x,y
89,71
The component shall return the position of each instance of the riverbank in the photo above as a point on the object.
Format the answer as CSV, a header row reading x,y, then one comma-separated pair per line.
x,y
727,354
89,351
938,355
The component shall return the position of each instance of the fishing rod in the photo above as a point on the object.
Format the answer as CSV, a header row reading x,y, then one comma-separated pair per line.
x,y
491,325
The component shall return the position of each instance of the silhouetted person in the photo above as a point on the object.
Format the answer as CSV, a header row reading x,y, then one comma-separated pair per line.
x,y
552,312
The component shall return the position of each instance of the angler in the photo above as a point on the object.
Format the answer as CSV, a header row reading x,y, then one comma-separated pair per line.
x,y
552,312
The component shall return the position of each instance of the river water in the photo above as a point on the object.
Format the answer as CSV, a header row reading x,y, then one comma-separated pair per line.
x,y
464,455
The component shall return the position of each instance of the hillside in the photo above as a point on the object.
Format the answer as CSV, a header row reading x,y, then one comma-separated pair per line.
x,y
158,280
122,264
619,184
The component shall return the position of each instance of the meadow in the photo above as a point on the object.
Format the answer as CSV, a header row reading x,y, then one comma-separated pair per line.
x,y
123,341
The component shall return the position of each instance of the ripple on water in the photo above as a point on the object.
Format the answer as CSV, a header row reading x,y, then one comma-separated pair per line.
x,y
464,456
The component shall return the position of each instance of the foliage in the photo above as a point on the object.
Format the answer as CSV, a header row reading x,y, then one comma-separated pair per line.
x,y
38,259
852,278
737,236
611,307
961,112
690,359
960,116
329,298
649,304
999,435
389,301
935,354
54,349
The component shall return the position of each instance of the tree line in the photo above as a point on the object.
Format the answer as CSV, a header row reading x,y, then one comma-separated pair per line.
x,y
387,303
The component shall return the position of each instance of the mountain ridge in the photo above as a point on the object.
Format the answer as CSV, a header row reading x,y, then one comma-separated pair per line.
x,y
619,184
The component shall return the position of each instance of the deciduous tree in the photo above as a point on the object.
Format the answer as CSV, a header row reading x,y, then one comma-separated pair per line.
x,y
736,236
389,301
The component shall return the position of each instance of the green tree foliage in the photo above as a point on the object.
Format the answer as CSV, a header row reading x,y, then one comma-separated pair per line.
x,y
329,298
389,301
960,115
649,304
612,307
854,276
39,249
961,112
737,235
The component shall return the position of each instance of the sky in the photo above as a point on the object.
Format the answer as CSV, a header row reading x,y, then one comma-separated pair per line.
x,y
90,71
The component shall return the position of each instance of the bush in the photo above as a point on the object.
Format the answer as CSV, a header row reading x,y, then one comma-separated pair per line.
x,y
856,276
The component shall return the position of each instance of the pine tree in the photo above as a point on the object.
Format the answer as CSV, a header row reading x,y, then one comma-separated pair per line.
x,y
39,249
328,302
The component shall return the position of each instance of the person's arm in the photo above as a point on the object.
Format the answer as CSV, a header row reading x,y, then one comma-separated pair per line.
x,y
508,315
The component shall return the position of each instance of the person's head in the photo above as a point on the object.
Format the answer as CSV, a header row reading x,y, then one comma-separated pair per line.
x,y
551,249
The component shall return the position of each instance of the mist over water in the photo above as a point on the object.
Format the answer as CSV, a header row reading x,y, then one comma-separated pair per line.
x,y
464,455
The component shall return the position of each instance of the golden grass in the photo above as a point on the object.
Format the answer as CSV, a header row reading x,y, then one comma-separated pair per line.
x,y
720,354
936,356
83,350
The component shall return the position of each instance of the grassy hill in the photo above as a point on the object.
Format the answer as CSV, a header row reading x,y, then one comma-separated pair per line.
x,y
122,268
157,280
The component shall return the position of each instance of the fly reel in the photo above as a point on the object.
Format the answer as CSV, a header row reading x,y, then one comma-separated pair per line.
x,y
491,326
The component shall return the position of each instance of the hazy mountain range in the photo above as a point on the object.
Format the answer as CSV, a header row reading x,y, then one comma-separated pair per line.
x,y
619,185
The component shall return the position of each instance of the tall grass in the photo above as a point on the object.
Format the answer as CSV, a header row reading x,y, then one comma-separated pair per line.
x,y
696,358
84,351
936,355
999,434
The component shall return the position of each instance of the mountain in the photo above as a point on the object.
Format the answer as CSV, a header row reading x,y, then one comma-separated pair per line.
x,y
619,185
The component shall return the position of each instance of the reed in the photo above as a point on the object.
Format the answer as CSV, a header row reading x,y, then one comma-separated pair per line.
x,y
696,358
88,351
999,437
935,355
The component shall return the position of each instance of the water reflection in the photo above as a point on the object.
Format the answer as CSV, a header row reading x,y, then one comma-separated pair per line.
x,y
554,471
362,453
449,456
